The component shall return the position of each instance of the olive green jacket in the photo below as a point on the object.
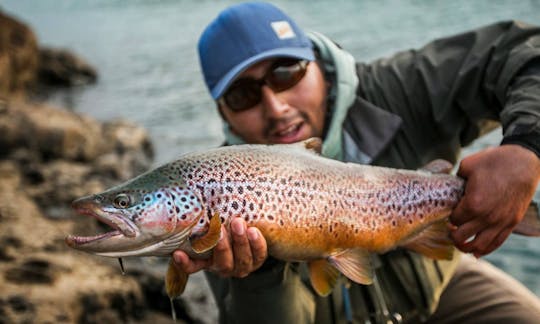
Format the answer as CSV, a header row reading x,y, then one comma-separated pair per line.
x,y
403,112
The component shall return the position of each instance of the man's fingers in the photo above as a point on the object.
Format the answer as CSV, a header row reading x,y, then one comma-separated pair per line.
x,y
222,257
463,233
481,242
243,259
189,266
259,249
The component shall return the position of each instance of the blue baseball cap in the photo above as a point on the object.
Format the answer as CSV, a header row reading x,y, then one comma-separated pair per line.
x,y
244,34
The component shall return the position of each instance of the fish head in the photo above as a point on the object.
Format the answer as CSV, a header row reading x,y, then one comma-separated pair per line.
x,y
147,217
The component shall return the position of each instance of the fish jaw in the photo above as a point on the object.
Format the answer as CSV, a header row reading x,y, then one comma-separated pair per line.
x,y
152,232
124,230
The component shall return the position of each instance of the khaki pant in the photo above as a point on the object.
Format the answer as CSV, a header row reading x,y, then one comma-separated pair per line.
x,y
481,293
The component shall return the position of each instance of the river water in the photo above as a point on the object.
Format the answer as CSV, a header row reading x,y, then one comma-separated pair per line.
x,y
145,53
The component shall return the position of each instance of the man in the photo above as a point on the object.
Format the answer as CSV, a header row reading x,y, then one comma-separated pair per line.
x,y
275,84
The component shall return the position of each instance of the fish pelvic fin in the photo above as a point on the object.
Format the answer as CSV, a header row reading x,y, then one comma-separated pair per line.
x,y
438,166
355,264
530,224
206,242
175,281
323,276
433,242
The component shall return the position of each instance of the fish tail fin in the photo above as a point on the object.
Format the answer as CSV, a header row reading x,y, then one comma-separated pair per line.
x,y
530,225
433,242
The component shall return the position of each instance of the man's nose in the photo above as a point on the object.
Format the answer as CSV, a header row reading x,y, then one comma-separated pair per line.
x,y
273,105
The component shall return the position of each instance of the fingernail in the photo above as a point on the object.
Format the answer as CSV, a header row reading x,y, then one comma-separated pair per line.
x,y
253,234
238,228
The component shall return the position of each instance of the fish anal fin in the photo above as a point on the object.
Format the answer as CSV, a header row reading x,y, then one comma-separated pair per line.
x,y
438,166
175,281
207,241
530,224
355,264
433,242
323,276
313,144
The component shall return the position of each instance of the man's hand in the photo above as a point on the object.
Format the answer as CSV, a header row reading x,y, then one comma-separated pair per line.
x,y
500,184
237,254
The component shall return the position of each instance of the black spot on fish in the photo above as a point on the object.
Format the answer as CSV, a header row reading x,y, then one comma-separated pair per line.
x,y
240,190
177,209
234,205
229,189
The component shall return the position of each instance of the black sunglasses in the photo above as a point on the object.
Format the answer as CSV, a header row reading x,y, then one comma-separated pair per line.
x,y
245,93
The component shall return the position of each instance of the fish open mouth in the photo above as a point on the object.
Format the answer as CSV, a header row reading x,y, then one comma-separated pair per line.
x,y
121,226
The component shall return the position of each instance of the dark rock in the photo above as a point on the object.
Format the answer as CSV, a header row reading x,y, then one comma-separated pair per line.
x,y
31,272
20,304
60,67
18,56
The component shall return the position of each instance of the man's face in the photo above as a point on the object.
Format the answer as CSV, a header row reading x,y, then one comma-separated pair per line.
x,y
287,116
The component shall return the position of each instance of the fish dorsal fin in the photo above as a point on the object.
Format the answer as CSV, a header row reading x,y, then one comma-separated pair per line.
x,y
175,283
323,276
433,242
355,264
530,224
210,239
313,144
438,166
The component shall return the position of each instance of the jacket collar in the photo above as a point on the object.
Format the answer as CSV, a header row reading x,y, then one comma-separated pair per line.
x,y
367,131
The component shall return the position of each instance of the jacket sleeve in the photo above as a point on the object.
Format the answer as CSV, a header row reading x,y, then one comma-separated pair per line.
x,y
451,86
273,294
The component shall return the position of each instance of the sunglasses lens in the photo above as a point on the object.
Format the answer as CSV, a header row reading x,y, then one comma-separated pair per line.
x,y
243,95
286,74
246,93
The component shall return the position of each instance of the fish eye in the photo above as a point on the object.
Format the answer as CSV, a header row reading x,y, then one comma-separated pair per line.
x,y
121,201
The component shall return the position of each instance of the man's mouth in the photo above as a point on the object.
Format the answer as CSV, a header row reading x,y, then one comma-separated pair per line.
x,y
290,134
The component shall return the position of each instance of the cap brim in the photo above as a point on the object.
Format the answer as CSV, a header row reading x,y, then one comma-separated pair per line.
x,y
223,84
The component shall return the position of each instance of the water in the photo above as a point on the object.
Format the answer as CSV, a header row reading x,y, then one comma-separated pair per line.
x,y
145,52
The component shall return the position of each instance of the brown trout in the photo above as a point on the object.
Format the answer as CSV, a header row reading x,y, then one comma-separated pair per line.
x,y
309,208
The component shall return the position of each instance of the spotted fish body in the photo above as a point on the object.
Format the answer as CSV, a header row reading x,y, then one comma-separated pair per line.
x,y
308,208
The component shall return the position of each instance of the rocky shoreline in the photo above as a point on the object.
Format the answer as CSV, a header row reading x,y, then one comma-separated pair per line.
x,y
48,157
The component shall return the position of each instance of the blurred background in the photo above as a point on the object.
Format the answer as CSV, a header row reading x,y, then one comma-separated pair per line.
x,y
145,54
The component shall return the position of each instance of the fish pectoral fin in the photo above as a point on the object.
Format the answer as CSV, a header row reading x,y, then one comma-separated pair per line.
x,y
323,276
210,239
175,281
355,264
433,242
438,166
530,224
